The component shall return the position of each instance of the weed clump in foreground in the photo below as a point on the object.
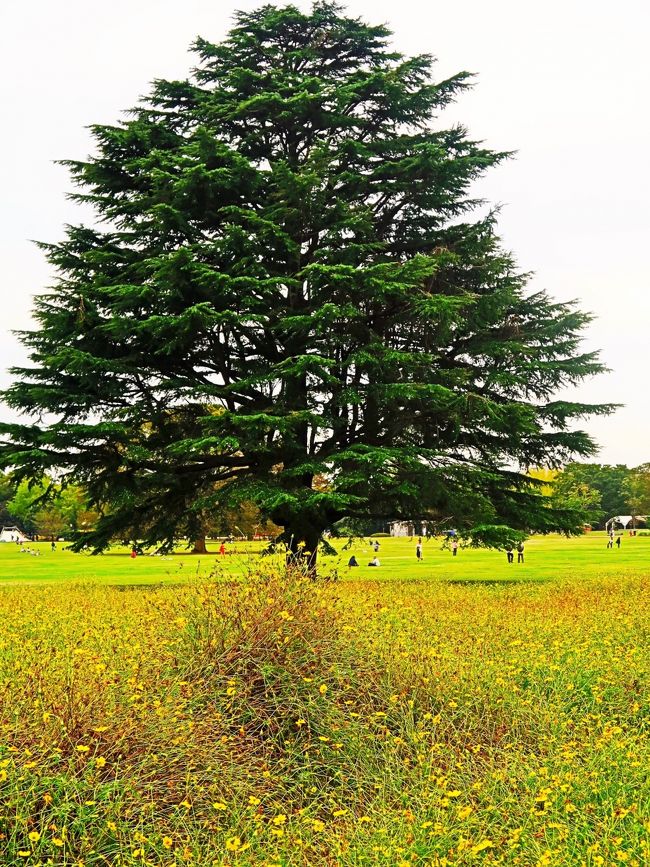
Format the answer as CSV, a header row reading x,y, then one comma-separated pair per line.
x,y
276,675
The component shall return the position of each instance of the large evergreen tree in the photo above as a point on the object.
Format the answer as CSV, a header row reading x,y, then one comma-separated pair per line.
x,y
288,280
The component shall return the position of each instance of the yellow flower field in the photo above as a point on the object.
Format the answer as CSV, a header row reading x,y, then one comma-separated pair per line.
x,y
255,723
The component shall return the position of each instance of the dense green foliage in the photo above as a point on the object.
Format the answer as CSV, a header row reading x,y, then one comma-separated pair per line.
x,y
606,490
45,508
288,280
636,489
7,489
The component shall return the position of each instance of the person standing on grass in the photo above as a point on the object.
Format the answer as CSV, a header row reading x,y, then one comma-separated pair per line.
x,y
509,554
520,552
618,542
418,550
222,549
454,548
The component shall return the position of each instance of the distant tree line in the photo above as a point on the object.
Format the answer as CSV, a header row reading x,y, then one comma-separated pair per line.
x,y
603,491
44,509
50,510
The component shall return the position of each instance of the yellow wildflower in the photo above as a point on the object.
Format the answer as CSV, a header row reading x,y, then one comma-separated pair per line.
x,y
482,846
233,844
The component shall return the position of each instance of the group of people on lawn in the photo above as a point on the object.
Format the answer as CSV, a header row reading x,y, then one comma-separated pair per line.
x,y
454,550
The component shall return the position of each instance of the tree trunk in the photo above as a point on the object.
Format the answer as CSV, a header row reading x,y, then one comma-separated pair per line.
x,y
199,546
302,545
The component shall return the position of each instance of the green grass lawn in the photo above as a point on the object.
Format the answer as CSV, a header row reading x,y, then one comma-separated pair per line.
x,y
546,558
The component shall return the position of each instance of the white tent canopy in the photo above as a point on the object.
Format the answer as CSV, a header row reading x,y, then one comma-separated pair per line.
x,y
624,520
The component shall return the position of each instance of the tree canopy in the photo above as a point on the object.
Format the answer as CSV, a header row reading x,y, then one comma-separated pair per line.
x,y
609,482
288,279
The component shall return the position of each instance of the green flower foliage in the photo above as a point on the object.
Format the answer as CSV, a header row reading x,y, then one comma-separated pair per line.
x,y
289,296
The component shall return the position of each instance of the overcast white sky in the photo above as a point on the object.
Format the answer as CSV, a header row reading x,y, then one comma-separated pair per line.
x,y
565,83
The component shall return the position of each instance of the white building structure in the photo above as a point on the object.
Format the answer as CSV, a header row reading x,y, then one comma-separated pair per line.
x,y
12,534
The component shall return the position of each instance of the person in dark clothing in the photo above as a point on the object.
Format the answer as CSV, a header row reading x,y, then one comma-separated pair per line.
x,y
418,550
352,561
618,541
509,554
520,552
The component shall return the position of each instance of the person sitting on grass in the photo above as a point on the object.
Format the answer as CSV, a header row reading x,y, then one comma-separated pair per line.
x,y
374,561
352,561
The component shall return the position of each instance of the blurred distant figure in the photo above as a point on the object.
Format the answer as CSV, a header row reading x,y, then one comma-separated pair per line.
x,y
454,548
352,561
509,554
418,550
53,546
374,561
520,552
134,553
618,541
222,548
